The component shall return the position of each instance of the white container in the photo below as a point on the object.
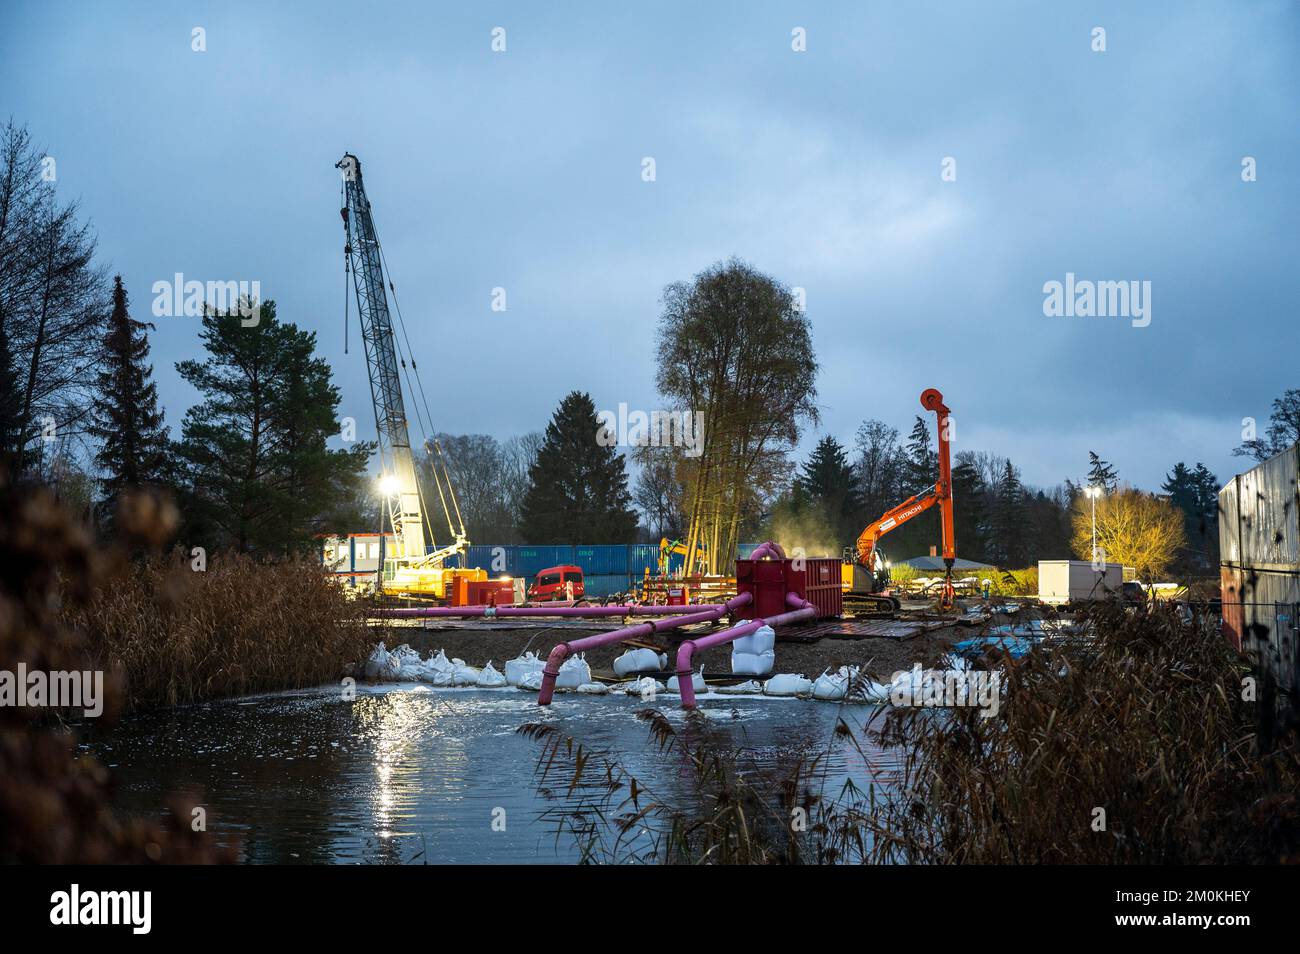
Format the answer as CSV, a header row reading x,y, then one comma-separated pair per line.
x,y
1077,581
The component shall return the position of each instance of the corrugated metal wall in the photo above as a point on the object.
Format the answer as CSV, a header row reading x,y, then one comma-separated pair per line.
x,y
1259,539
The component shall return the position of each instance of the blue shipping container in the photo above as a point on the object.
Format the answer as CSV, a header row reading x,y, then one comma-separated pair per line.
x,y
532,560
603,585
601,560
642,557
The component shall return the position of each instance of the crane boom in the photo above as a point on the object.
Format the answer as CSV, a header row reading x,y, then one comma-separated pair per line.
x,y
398,480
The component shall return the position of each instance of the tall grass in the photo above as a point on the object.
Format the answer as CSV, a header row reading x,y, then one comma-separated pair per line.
x,y
55,803
238,627
1138,747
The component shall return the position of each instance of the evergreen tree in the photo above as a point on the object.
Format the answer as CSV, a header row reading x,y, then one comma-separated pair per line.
x,y
125,417
970,517
258,474
1195,492
577,488
1010,522
826,483
1101,474
920,470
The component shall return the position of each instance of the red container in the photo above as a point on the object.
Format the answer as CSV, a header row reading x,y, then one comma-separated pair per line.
x,y
677,596
491,593
768,581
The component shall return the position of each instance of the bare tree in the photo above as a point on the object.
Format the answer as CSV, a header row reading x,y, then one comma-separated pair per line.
x,y
53,301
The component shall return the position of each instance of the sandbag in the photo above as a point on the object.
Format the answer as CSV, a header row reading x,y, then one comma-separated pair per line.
x,y
760,641
753,664
831,686
639,660
530,681
697,681
788,684
521,666
644,687
593,689
748,687
463,674
574,672
489,678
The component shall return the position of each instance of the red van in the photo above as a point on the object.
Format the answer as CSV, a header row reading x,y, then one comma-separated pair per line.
x,y
556,583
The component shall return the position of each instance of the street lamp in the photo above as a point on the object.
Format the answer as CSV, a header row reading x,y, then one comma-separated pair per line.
x,y
1093,491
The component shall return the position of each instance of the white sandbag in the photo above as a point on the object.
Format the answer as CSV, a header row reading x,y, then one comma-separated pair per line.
x,y
382,664
593,689
788,684
639,660
574,672
760,641
530,681
489,678
644,687
521,666
697,681
753,664
831,686
748,687
463,674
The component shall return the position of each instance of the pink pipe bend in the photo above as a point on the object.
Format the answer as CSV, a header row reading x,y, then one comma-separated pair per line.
x,y
768,550
800,609
564,650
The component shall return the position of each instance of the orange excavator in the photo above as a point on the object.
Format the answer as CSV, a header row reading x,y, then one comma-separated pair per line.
x,y
860,576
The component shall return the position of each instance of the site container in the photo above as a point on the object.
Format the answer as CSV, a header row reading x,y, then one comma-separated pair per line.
x,y
531,560
769,581
1259,543
1076,581
604,585
642,557
602,559
491,593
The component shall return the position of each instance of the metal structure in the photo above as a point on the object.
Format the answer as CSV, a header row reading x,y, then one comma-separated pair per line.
x,y
415,570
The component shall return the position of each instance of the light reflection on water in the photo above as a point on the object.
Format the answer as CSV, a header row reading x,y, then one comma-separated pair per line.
x,y
412,774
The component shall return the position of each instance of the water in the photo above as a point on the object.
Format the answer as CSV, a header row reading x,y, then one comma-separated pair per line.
x,y
410,774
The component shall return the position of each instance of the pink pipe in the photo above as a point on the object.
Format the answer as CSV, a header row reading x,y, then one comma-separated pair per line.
x,y
564,650
473,612
801,609
769,550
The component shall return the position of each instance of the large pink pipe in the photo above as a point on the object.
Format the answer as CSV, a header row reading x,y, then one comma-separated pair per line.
x,y
769,550
800,609
474,612
564,650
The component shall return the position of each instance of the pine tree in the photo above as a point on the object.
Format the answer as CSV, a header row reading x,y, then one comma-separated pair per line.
x,y
920,471
258,474
970,518
125,417
1010,523
1101,474
577,488
826,483
1196,493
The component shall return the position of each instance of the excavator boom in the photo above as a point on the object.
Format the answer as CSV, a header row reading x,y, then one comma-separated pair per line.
x,y
940,493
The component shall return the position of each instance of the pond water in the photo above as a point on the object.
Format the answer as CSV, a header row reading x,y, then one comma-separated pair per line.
x,y
411,774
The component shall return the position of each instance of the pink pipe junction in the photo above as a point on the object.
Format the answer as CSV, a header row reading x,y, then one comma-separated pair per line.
x,y
800,609
564,650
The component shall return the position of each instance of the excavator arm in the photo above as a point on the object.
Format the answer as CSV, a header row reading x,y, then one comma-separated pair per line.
x,y
940,493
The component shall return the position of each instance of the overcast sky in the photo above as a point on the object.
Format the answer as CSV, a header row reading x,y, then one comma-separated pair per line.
x,y
523,169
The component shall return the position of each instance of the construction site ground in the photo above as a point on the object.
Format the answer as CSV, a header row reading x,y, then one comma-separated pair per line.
x,y
882,645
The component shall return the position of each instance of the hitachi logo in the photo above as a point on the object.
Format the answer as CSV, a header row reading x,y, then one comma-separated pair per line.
x,y
103,907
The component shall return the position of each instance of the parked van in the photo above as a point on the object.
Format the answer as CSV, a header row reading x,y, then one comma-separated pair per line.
x,y
557,583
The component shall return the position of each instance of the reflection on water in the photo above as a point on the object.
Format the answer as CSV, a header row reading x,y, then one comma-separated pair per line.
x,y
411,774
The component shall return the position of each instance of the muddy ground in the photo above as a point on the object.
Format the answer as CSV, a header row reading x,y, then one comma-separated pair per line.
x,y
478,643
